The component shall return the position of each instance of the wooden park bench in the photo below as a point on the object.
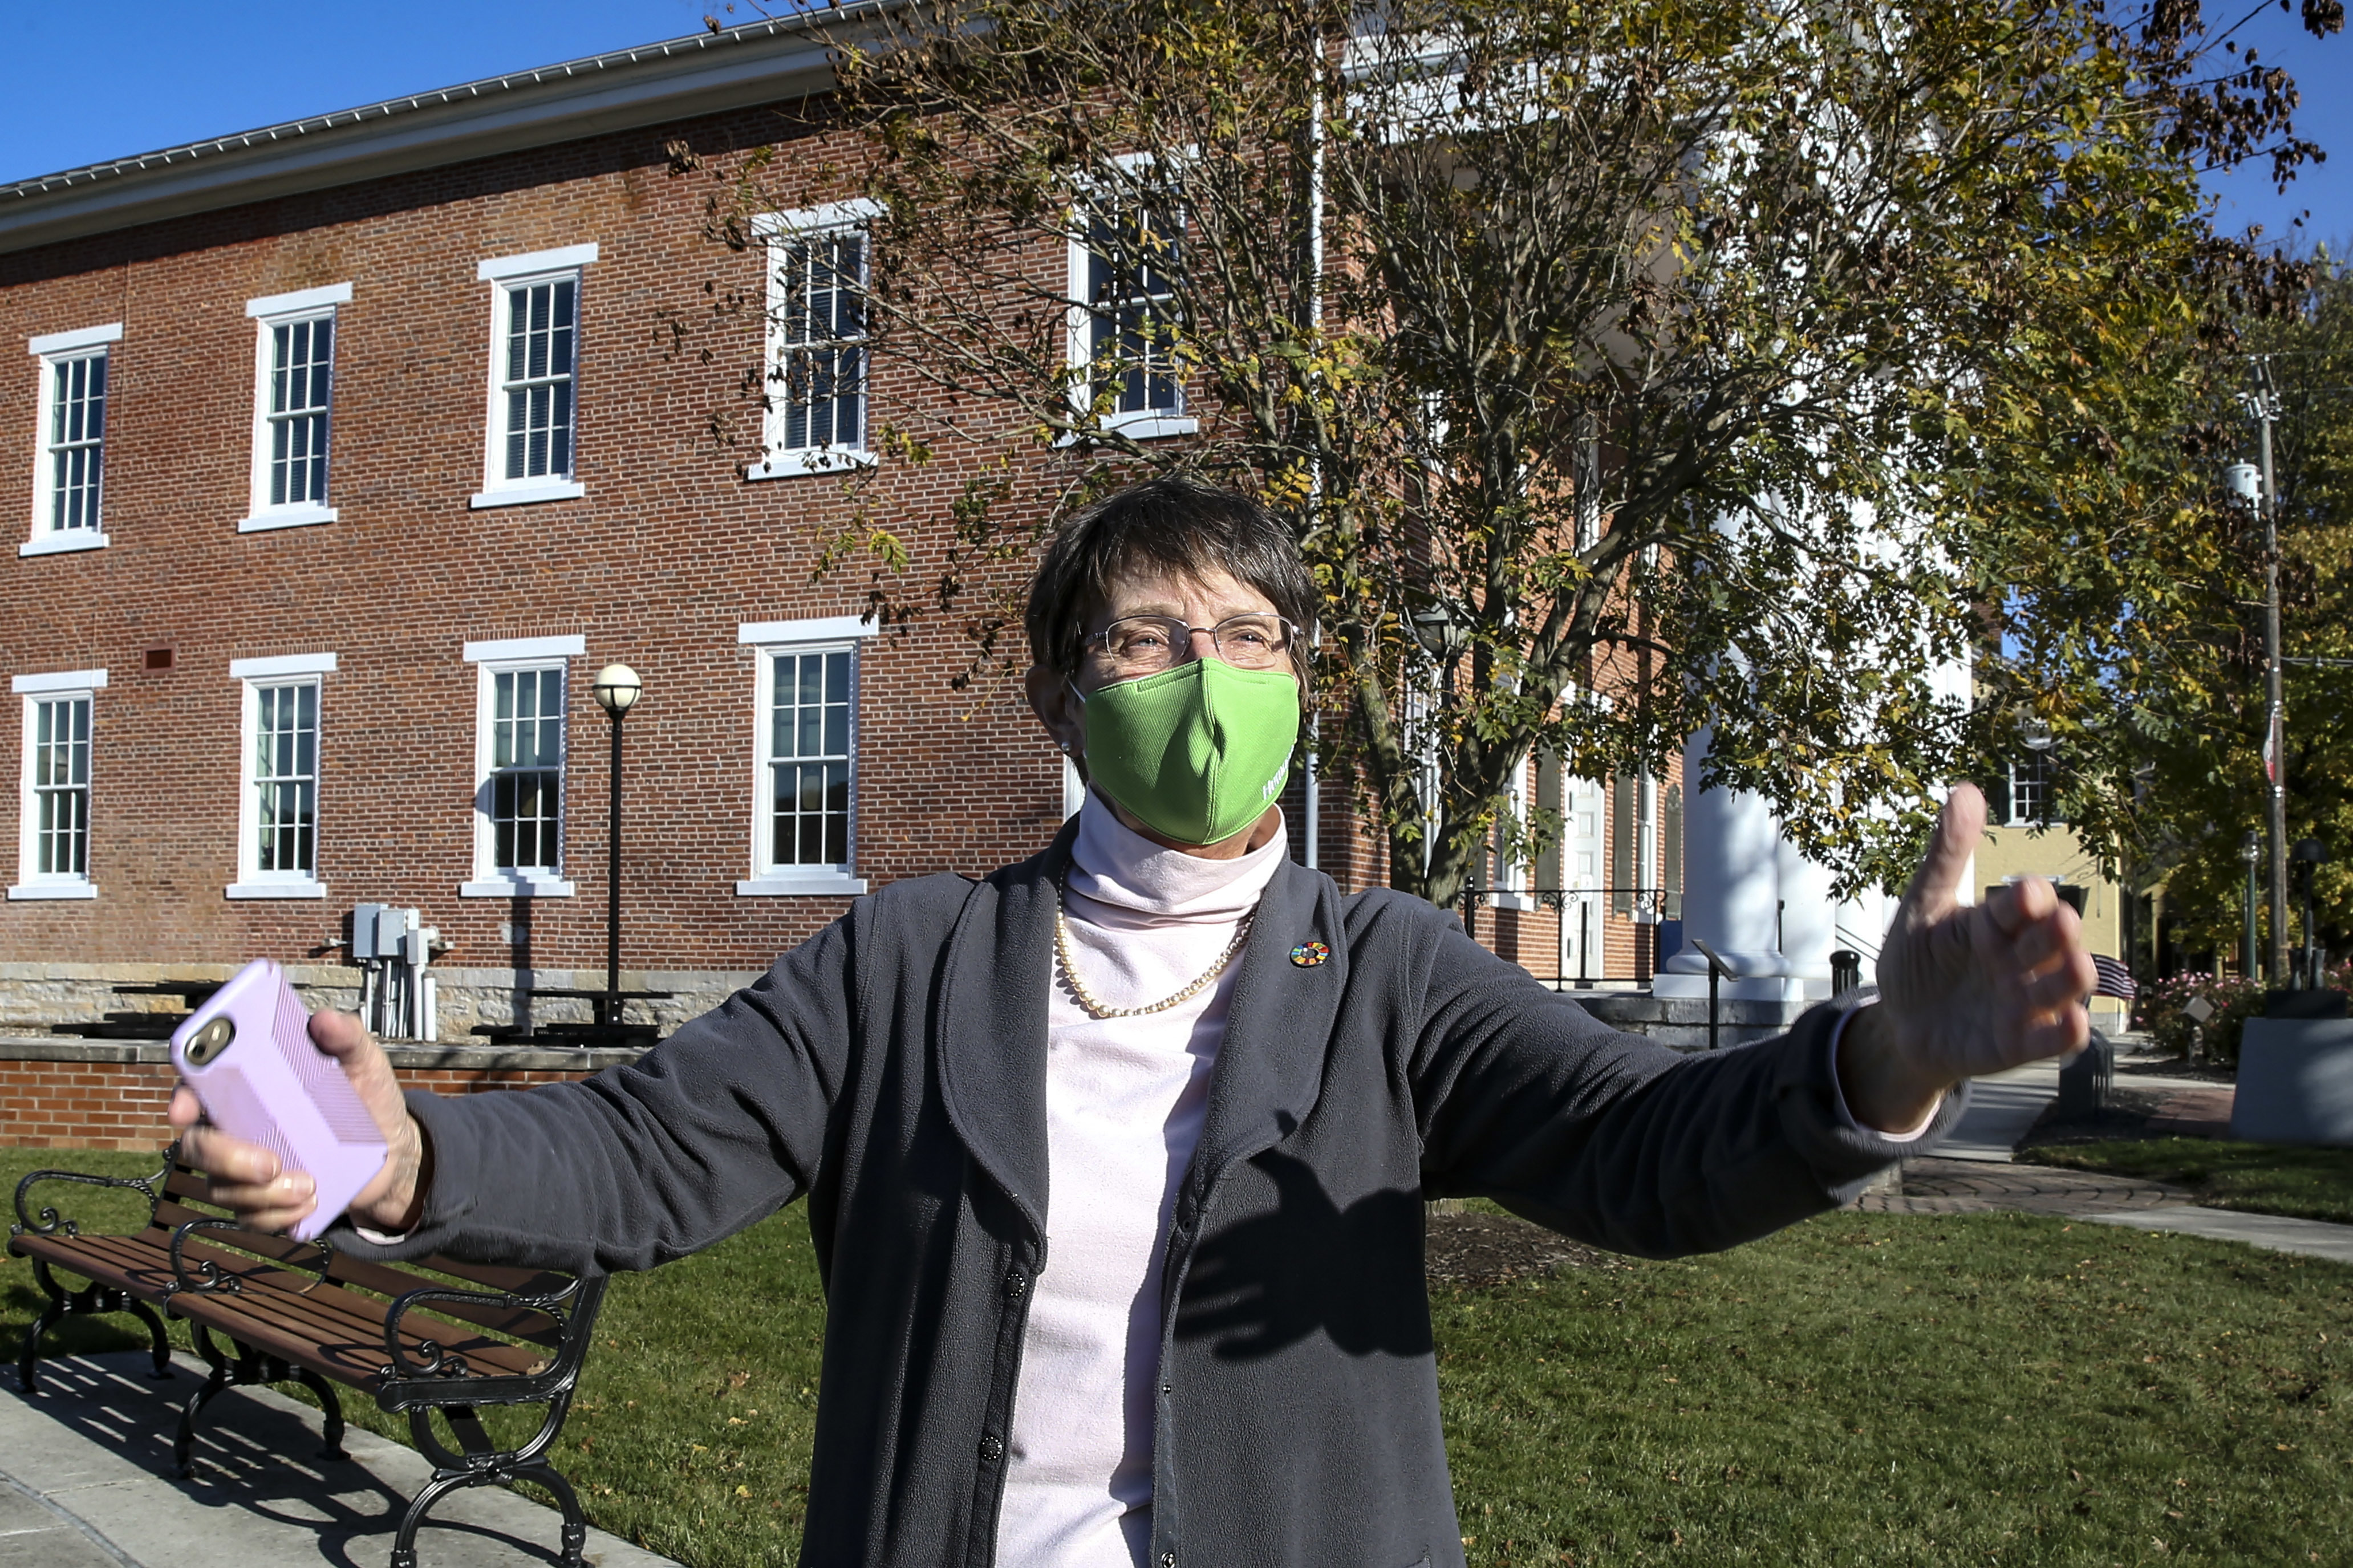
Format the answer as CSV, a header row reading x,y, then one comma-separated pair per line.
x,y
438,1334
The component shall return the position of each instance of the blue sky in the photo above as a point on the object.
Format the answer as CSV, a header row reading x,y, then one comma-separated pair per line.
x,y
180,70
186,70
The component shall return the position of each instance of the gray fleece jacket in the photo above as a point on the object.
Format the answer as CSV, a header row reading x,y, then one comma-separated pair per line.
x,y
892,1071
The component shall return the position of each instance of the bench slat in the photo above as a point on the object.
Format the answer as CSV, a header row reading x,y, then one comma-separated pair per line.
x,y
191,1188
291,1296
345,1330
391,1279
272,1318
525,1323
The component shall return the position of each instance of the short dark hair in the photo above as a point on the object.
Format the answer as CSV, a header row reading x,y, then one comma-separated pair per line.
x,y
1180,524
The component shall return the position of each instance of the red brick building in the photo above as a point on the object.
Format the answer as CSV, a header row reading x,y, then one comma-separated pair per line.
x,y
351,449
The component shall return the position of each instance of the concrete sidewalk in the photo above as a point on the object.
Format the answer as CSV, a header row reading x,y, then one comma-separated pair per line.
x,y
2001,1109
86,1481
2272,1233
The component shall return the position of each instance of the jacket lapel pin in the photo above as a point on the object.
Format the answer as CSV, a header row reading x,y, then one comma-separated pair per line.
x,y
1308,955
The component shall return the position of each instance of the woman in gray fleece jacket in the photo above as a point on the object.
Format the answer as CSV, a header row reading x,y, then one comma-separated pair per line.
x,y
1229,1358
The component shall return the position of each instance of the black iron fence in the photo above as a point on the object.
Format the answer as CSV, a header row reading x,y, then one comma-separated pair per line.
x,y
1583,912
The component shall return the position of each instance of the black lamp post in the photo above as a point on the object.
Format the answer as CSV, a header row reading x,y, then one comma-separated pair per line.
x,y
617,688
2253,487
2250,850
2314,854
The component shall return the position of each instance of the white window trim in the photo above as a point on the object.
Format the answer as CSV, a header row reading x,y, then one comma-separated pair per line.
x,y
58,680
526,650
767,639
67,542
506,273
1139,424
531,263
267,313
282,670
300,302
778,461
48,686
1512,878
799,461
75,340
490,658
82,342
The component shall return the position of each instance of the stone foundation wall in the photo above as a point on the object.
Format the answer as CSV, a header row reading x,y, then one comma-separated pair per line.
x,y
95,1094
64,1093
1681,1023
37,998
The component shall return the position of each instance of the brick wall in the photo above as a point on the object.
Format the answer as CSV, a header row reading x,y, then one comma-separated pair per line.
x,y
668,551
70,1094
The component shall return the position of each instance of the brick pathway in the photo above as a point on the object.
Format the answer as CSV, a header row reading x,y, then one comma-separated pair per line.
x,y
1972,1186
2194,1113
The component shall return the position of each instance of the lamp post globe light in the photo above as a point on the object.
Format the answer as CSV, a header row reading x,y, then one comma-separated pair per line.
x,y
617,688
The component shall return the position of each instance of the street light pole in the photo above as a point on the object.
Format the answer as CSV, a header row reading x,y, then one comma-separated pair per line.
x,y
2276,722
2259,489
617,689
2251,849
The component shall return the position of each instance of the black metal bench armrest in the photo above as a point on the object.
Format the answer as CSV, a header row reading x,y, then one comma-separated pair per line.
x,y
573,1308
206,1278
50,1222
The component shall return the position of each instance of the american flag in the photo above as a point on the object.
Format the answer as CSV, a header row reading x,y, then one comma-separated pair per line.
x,y
2115,980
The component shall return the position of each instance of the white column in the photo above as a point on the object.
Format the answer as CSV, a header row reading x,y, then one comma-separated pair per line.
x,y
1731,884
1809,918
1862,927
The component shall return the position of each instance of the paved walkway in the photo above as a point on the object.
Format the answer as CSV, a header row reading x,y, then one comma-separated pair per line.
x,y
85,1482
2001,1109
2274,1233
1939,1186
1975,1170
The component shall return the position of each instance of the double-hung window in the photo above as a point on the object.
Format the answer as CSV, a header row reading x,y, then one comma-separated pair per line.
x,y
804,756
69,465
293,395
2032,790
53,857
1123,338
816,366
520,751
534,414
277,820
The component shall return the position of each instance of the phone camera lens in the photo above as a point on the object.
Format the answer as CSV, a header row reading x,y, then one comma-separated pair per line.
x,y
207,1043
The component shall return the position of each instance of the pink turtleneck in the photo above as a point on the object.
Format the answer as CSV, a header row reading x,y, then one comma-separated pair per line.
x,y
1125,1098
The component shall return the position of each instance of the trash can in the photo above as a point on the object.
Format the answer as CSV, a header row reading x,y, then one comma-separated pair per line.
x,y
1846,971
2083,1083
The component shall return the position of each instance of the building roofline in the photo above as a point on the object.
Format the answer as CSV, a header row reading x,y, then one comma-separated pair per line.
x,y
756,62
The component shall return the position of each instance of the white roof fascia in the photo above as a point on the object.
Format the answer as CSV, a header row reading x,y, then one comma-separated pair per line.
x,y
760,62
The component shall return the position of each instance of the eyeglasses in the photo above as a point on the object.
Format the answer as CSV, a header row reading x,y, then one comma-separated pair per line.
x,y
1145,645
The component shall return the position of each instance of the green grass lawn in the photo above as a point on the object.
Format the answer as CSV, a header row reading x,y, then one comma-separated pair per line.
x,y
1860,1390
2263,1178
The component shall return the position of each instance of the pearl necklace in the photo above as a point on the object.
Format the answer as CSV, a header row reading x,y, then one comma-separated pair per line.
x,y
1086,1000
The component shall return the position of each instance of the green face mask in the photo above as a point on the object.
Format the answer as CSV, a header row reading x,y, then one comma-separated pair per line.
x,y
1198,752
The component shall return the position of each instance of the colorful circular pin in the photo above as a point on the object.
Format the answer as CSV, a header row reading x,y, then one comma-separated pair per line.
x,y
1308,955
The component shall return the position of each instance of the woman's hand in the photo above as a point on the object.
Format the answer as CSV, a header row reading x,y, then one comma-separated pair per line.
x,y
1964,990
245,1177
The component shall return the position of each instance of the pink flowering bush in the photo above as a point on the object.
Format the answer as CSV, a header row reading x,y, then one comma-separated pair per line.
x,y
2159,1010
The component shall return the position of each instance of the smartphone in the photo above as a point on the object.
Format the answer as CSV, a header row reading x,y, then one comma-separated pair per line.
x,y
247,1054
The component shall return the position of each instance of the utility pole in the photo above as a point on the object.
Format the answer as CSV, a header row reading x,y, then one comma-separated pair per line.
x,y
2275,718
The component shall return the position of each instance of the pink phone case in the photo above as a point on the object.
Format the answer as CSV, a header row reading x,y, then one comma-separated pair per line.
x,y
268,1084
